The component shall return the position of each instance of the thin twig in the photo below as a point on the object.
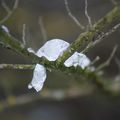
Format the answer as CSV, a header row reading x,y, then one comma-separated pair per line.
x,y
95,60
72,16
85,38
5,6
87,15
107,62
23,35
42,28
16,66
9,12
100,38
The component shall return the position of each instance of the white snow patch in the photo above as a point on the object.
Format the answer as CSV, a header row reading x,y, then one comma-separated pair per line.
x,y
51,50
77,59
39,76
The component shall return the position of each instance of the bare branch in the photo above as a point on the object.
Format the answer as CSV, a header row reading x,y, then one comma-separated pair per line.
x,y
9,12
43,30
107,62
16,66
23,34
72,16
100,38
85,38
86,14
15,4
5,6
95,60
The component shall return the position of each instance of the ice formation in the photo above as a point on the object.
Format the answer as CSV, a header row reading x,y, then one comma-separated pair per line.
x,y
51,50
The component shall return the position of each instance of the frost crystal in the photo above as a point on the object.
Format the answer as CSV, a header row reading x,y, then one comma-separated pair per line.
x,y
51,50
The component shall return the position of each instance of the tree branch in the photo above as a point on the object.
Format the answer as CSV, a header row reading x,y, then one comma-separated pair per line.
x,y
72,16
83,39
16,66
86,37
9,12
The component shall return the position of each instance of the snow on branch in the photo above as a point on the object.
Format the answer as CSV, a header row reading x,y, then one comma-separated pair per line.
x,y
8,41
85,38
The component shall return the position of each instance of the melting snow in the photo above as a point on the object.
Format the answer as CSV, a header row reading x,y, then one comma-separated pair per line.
x,y
52,49
39,76
77,59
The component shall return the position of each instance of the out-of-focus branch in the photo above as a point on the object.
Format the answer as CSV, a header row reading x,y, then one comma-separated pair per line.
x,y
114,2
13,101
42,28
8,10
107,62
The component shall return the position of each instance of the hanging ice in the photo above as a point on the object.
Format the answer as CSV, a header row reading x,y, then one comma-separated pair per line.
x,y
52,49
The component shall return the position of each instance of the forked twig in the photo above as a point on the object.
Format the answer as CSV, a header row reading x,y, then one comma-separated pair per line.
x,y
107,62
100,38
87,15
72,16
8,10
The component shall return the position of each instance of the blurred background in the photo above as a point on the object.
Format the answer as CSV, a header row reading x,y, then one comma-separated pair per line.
x,y
64,97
